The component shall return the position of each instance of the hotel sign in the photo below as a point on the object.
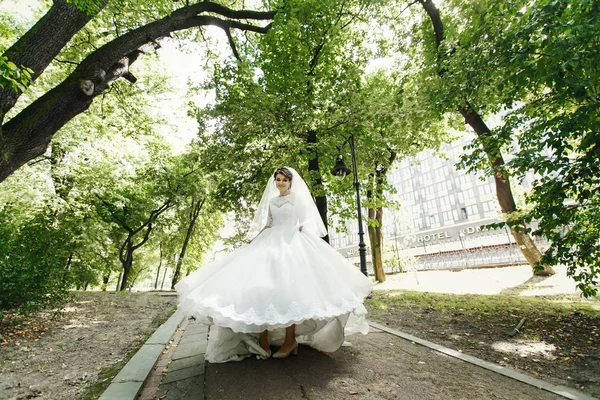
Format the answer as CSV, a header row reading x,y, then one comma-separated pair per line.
x,y
449,234
452,233
352,252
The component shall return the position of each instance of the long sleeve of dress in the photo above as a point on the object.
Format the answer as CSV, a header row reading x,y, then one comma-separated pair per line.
x,y
269,218
301,210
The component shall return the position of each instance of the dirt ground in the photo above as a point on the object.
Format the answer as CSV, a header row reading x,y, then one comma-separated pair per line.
x,y
559,340
76,355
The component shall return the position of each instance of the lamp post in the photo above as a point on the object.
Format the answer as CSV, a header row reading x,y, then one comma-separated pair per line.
x,y
340,170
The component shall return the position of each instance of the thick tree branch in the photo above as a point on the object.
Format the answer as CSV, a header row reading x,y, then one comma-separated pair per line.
x,y
153,215
492,150
122,252
436,20
37,48
232,45
145,239
28,134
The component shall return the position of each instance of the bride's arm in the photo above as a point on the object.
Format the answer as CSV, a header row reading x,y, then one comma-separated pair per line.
x,y
268,225
301,210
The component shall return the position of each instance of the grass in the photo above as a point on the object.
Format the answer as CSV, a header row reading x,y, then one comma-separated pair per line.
x,y
559,340
481,304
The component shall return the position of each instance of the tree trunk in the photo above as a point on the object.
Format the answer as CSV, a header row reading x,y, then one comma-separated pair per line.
x,y
127,248
375,242
68,265
41,44
374,233
501,178
28,134
105,279
314,178
159,265
119,281
504,191
194,212
379,272
164,277
127,263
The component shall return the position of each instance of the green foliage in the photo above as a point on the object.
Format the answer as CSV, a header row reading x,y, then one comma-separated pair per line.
x,y
120,151
290,82
559,138
17,78
90,7
33,272
307,75
532,67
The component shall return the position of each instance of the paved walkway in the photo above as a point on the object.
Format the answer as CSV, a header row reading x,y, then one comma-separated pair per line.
x,y
381,365
179,372
515,280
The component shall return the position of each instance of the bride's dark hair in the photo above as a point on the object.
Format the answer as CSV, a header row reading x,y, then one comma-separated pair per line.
x,y
285,172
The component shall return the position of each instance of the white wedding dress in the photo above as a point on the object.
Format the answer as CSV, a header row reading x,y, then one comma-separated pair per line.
x,y
284,276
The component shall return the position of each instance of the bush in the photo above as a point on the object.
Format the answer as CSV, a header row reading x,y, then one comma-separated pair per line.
x,y
33,259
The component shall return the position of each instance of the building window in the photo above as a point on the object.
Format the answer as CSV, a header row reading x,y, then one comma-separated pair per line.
x,y
486,206
434,221
447,216
487,188
473,210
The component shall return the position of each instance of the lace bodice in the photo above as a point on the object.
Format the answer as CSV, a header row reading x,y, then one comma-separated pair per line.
x,y
281,211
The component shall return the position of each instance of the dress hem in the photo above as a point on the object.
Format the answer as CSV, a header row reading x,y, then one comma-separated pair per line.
x,y
240,326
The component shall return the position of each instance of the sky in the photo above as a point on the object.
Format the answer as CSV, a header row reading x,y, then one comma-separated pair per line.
x,y
23,8
182,67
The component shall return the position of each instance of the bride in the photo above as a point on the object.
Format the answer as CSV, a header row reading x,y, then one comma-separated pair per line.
x,y
287,286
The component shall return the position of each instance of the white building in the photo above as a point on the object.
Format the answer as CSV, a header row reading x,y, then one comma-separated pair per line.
x,y
440,218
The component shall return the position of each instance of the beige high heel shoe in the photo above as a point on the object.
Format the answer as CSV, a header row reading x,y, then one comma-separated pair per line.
x,y
269,353
293,350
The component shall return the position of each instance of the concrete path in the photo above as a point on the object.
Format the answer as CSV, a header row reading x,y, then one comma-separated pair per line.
x,y
515,280
179,372
380,365
376,366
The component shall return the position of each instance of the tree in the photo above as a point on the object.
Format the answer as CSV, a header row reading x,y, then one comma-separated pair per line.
x,y
195,208
33,262
194,205
27,134
288,99
539,66
389,123
467,108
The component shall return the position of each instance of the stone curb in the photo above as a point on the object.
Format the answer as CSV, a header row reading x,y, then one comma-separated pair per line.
x,y
179,372
556,389
130,380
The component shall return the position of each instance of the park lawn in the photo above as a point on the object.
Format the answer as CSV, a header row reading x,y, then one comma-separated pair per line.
x,y
559,339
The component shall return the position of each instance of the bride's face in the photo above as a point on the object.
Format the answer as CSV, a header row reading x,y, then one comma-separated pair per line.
x,y
282,183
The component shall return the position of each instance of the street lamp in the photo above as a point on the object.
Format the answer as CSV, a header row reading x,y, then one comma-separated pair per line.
x,y
340,170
